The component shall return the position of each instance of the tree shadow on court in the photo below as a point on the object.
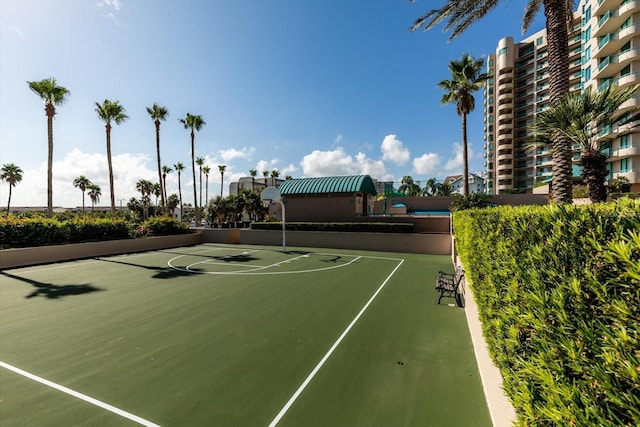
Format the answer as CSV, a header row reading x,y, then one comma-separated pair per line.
x,y
334,259
159,272
50,291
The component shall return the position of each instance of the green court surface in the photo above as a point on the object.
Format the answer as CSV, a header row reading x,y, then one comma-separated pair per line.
x,y
228,335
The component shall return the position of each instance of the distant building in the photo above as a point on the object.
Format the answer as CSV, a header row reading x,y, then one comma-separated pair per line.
x,y
476,183
257,184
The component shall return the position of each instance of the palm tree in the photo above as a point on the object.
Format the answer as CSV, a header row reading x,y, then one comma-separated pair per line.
x,y
253,174
206,170
578,117
444,189
466,78
559,14
430,188
173,201
195,123
110,111
52,95
94,194
145,187
221,168
166,170
82,183
157,114
11,174
157,191
274,175
409,187
179,167
266,175
200,162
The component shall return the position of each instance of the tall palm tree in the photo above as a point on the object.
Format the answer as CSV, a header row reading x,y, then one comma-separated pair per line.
x,y
274,175
82,182
11,174
466,78
444,189
166,170
111,111
156,190
253,174
173,201
409,186
145,187
206,169
158,114
52,94
200,162
221,168
266,175
94,194
578,117
194,123
559,15
430,187
179,167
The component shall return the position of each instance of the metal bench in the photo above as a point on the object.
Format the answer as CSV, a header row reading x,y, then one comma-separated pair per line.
x,y
448,284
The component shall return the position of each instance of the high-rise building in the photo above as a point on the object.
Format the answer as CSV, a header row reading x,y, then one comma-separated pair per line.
x,y
604,47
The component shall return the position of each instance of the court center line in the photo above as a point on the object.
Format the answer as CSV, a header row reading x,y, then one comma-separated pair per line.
x,y
81,396
315,370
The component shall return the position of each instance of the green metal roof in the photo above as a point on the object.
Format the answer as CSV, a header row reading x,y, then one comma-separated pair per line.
x,y
330,184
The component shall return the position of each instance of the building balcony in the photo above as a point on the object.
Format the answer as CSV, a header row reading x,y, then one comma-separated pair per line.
x,y
632,175
629,79
634,150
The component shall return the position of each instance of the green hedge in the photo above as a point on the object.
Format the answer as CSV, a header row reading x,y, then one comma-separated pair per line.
x,y
558,290
17,232
370,227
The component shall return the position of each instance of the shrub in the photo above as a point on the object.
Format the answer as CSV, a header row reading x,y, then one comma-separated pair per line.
x,y
558,290
162,226
468,201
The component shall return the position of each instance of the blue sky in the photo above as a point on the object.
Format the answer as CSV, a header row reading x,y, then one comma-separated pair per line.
x,y
306,87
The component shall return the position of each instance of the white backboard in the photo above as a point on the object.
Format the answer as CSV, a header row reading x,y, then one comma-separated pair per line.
x,y
270,193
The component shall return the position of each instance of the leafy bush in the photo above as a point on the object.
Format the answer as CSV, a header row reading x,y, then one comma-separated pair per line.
x,y
370,227
558,290
580,192
163,226
468,201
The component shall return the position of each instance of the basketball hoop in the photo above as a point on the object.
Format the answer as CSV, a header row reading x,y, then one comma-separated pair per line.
x,y
272,195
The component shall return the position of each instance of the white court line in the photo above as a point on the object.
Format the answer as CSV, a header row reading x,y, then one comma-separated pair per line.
x,y
84,397
313,373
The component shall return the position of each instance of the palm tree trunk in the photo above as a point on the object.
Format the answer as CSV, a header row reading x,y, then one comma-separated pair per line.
x,y
162,199
193,172
51,111
180,196
221,183
83,202
206,186
9,201
465,157
556,14
113,197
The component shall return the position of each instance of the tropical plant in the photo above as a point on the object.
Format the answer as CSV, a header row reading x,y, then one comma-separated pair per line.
x,y
158,114
620,184
82,182
11,174
194,123
157,191
559,14
253,174
179,167
444,188
111,111
94,194
408,186
471,200
288,177
265,174
145,187
200,162
274,174
466,78
173,201
206,169
580,117
166,170
430,187
52,94
221,168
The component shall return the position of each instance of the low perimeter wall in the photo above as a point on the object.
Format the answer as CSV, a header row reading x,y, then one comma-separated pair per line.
x,y
423,243
436,244
46,254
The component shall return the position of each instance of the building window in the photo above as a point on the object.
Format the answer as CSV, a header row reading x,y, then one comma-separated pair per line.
x,y
539,41
625,71
587,73
625,141
625,165
502,51
586,34
587,54
626,47
626,23
587,15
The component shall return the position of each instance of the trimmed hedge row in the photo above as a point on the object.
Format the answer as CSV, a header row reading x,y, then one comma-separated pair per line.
x,y
16,232
362,227
558,290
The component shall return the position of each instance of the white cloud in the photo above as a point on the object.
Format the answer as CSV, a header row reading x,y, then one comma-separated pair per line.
x,y
338,139
455,164
232,153
110,3
394,150
17,31
127,170
427,164
337,162
264,165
